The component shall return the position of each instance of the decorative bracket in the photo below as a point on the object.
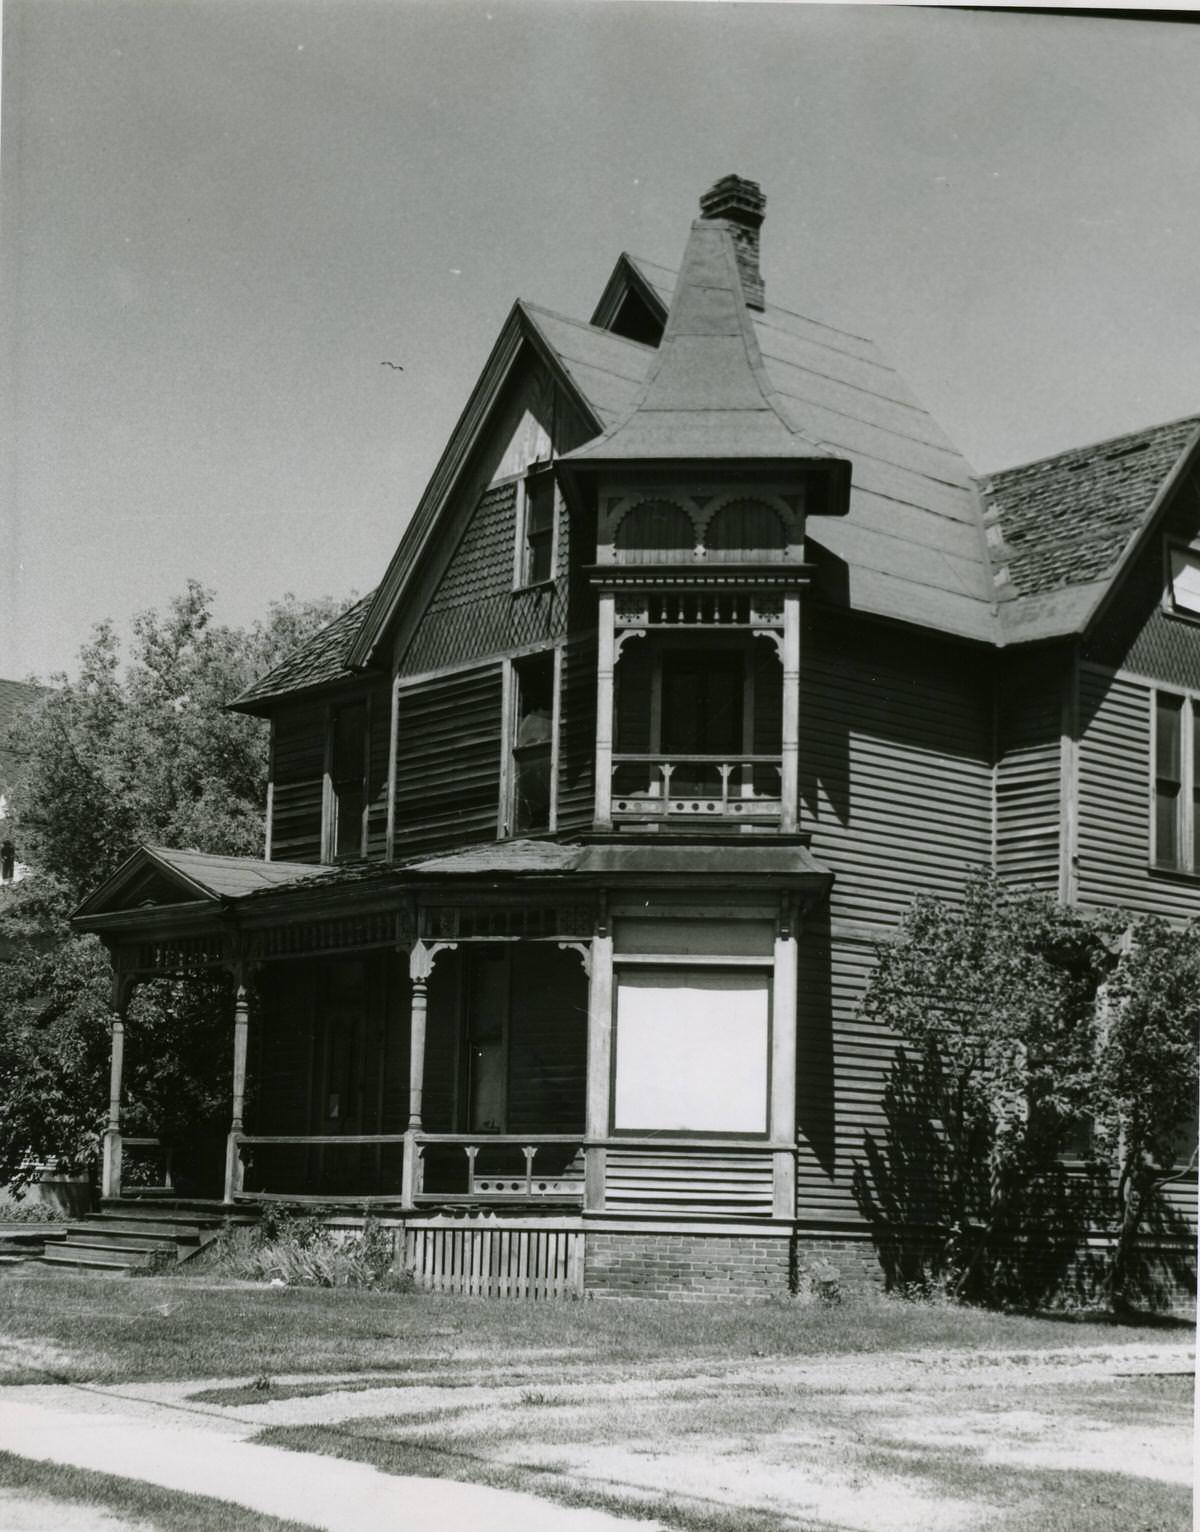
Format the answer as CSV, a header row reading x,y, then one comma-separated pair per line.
x,y
774,634
423,956
585,953
621,638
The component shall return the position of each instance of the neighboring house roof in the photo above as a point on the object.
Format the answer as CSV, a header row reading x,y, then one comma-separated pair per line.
x,y
14,697
319,661
1065,522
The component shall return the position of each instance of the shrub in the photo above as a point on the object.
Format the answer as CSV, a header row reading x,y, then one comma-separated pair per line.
x,y
301,1250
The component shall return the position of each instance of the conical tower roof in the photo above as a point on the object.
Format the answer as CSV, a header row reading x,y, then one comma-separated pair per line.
x,y
707,397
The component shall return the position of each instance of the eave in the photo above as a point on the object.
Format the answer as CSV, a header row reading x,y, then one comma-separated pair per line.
x,y
519,329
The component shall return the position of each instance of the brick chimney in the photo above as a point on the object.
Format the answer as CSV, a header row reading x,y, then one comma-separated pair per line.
x,y
740,203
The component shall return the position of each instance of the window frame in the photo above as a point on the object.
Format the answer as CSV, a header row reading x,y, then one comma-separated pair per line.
x,y
1171,546
511,713
764,966
332,807
522,552
1187,862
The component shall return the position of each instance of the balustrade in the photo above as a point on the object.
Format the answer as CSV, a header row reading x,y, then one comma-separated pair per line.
x,y
714,787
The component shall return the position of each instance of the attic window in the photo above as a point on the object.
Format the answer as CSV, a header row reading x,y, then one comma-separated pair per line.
x,y
536,549
1183,566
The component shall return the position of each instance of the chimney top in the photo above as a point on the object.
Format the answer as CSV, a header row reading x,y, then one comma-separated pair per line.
x,y
741,203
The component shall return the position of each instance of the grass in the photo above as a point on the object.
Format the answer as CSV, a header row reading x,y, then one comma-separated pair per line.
x,y
147,1505
739,1458
62,1327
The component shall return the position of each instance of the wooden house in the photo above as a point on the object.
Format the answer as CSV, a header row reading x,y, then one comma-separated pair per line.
x,y
702,654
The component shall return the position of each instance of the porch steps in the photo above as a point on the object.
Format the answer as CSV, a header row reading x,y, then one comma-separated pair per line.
x,y
126,1234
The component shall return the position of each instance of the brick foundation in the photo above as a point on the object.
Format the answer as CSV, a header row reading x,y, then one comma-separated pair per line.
x,y
686,1266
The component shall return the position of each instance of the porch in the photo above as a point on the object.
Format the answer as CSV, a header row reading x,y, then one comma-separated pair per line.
x,y
495,1064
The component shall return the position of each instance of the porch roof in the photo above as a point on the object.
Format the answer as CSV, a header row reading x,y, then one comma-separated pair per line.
x,y
158,881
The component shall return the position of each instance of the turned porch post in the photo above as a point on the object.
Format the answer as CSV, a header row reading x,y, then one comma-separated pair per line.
x,y
605,665
599,1063
233,1157
789,765
420,966
782,1126
110,1173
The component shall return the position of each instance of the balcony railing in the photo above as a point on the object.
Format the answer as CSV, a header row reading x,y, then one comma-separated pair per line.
x,y
725,788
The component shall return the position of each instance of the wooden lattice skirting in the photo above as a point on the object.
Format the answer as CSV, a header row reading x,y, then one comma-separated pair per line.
x,y
495,1262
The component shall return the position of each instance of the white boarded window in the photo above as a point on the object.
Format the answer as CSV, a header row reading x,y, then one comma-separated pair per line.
x,y
1185,579
692,1048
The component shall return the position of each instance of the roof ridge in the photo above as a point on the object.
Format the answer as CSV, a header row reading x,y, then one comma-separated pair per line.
x,y
1091,446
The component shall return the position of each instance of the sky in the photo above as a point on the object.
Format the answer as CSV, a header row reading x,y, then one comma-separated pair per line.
x,y
218,218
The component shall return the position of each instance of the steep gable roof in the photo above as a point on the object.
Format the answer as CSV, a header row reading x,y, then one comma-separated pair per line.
x,y
1067,523
319,661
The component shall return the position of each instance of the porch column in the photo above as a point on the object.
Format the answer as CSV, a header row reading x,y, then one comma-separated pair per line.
x,y
233,1158
606,661
110,1172
782,1127
420,966
599,1064
789,765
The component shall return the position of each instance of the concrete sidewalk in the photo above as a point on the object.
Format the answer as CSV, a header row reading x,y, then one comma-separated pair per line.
x,y
179,1452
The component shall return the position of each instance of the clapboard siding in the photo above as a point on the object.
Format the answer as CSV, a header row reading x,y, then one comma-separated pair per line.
x,y
895,765
577,736
298,778
896,746
448,761
1029,721
696,1181
1114,803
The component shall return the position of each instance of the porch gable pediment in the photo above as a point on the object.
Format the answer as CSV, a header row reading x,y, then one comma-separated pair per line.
x,y
158,877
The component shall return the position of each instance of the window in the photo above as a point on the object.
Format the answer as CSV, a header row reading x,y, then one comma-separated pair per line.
x,y
8,862
692,1051
536,550
1176,819
1183,580
348,777
533,743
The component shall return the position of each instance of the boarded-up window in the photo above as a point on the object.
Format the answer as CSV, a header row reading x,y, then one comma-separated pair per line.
x,y
692,1048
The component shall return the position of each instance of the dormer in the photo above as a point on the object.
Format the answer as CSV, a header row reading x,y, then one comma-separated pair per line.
x,y
700,495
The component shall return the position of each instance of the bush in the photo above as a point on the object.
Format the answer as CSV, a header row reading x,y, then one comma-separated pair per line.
x,y
301,1250
33,1212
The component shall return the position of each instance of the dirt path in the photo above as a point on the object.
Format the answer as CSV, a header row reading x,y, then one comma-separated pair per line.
x,y
819,1439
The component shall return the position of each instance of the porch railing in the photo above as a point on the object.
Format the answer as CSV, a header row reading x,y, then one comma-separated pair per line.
x,y
717,787
499,1167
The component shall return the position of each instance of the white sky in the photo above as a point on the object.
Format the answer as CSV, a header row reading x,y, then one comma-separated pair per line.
x,y
220,216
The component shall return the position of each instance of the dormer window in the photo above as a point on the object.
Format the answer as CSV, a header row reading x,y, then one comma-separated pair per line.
x,y
536,525
1183,579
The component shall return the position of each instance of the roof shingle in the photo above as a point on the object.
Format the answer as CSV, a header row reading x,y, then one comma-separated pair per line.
x,y
319,661
1065,520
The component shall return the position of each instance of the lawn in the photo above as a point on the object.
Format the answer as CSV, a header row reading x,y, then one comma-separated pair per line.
x,y
127,1502
58,1327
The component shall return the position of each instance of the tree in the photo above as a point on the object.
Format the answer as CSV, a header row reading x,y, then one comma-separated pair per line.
x,y
995,998
1024,1020
1145,1079
152,755
112,759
